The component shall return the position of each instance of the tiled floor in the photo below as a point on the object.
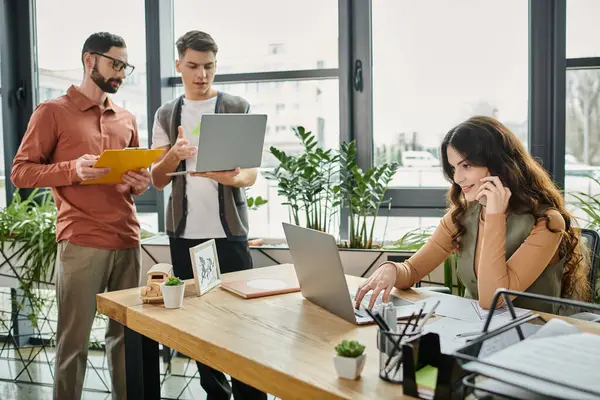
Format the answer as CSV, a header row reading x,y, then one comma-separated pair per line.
x,y
97,382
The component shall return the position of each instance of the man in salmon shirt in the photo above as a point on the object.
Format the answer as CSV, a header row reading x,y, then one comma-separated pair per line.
x,y
97,229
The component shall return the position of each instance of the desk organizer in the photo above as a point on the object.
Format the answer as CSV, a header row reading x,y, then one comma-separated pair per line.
x,y
389,344
471,351
424,351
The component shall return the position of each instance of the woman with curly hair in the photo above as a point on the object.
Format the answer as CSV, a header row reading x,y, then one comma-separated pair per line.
x,y
507,222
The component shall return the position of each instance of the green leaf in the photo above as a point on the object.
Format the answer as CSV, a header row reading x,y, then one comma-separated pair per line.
x,y
350,348
174,281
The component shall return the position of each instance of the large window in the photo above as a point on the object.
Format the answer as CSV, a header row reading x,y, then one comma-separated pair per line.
x,y
272,36
265,35
3,173
436,63
59,54
311,104
582,28
582,125
582,131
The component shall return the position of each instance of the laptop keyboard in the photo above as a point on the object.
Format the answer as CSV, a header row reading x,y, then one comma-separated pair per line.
x,y
365,304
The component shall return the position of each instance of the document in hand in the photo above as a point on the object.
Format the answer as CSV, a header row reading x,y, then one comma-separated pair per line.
x,y
122,161
564,366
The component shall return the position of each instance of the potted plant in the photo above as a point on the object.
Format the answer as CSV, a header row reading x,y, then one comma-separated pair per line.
x,y
349,359
363,194
309,182
317,182
172,290
28,242
27,261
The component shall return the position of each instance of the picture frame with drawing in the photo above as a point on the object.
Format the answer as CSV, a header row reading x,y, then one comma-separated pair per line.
x,y
205,265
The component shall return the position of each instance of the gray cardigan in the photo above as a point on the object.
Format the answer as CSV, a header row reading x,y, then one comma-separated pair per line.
x,y
233,209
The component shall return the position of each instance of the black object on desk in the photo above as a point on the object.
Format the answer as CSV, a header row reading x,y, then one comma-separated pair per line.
x,y
425,351
471,352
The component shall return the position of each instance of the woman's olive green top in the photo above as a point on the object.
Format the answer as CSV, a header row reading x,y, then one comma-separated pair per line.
x,y
512,251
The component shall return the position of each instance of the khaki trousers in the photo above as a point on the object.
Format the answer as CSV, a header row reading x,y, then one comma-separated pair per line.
x,y
83,272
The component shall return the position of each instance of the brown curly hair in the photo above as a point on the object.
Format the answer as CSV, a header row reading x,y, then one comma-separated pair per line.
x,y
486,142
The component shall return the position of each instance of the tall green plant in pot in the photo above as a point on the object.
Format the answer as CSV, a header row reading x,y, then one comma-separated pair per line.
x,y
28,232
363,193
308,181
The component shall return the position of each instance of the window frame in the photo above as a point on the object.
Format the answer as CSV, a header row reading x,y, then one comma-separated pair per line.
x,y
547,75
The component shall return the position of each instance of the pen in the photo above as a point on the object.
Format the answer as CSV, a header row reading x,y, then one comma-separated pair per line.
x,y
378,320
430,313
397,344
465,334
418,317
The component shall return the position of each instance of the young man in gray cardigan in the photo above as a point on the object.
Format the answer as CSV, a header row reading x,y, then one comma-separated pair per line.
x,y
202,206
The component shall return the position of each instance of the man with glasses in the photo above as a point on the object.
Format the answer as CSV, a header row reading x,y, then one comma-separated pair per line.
x,y
97,229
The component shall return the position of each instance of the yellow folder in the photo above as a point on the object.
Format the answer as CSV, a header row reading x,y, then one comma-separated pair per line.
x,y
121,161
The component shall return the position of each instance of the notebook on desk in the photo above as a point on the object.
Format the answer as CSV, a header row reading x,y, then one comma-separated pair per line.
x,y
253,288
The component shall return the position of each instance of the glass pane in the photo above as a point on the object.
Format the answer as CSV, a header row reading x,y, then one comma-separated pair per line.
x,y
582,151
582,28
59,66
391,229
265,35
311,104
432,70
3,171
148,223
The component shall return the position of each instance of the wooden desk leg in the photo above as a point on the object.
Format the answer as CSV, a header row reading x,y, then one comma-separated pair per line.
x,y
141,366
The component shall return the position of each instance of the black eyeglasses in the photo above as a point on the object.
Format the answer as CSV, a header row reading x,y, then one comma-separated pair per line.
x,y
117,65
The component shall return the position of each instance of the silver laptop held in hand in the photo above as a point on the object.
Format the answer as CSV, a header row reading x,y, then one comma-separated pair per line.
x,y
229,141
321,274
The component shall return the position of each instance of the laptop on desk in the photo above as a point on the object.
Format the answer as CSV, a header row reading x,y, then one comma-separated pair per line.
x,y
321,275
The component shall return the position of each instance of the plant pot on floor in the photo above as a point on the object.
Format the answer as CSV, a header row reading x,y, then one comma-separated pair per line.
x,y
349,367
172,295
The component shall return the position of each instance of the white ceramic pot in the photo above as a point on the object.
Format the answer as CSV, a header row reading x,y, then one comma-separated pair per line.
x,y
172,295
348,367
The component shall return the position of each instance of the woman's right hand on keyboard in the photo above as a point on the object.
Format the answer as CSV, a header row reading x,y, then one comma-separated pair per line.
x,y
382,279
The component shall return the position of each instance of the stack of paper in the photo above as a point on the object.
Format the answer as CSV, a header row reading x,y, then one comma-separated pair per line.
x,y
564,366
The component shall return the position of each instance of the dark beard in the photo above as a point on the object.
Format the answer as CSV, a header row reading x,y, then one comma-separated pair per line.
x,y
103,83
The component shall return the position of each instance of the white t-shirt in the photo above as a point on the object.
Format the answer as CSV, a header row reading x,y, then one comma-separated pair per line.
x,y
203,219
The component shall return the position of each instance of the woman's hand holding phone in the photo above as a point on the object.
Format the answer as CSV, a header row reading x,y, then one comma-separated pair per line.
x,y
495,194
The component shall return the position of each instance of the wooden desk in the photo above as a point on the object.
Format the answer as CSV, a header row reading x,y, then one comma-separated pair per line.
x,y
282,344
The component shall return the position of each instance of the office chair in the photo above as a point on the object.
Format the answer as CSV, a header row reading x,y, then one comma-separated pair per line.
x,y
592,241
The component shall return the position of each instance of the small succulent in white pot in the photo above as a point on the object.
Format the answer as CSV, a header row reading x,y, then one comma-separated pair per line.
x,y
172,292
349,360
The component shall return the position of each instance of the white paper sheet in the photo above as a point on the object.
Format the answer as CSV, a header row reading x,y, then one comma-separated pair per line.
x,y
448,329
470,310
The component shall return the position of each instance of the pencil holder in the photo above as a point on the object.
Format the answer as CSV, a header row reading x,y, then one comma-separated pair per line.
x,y
389,345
